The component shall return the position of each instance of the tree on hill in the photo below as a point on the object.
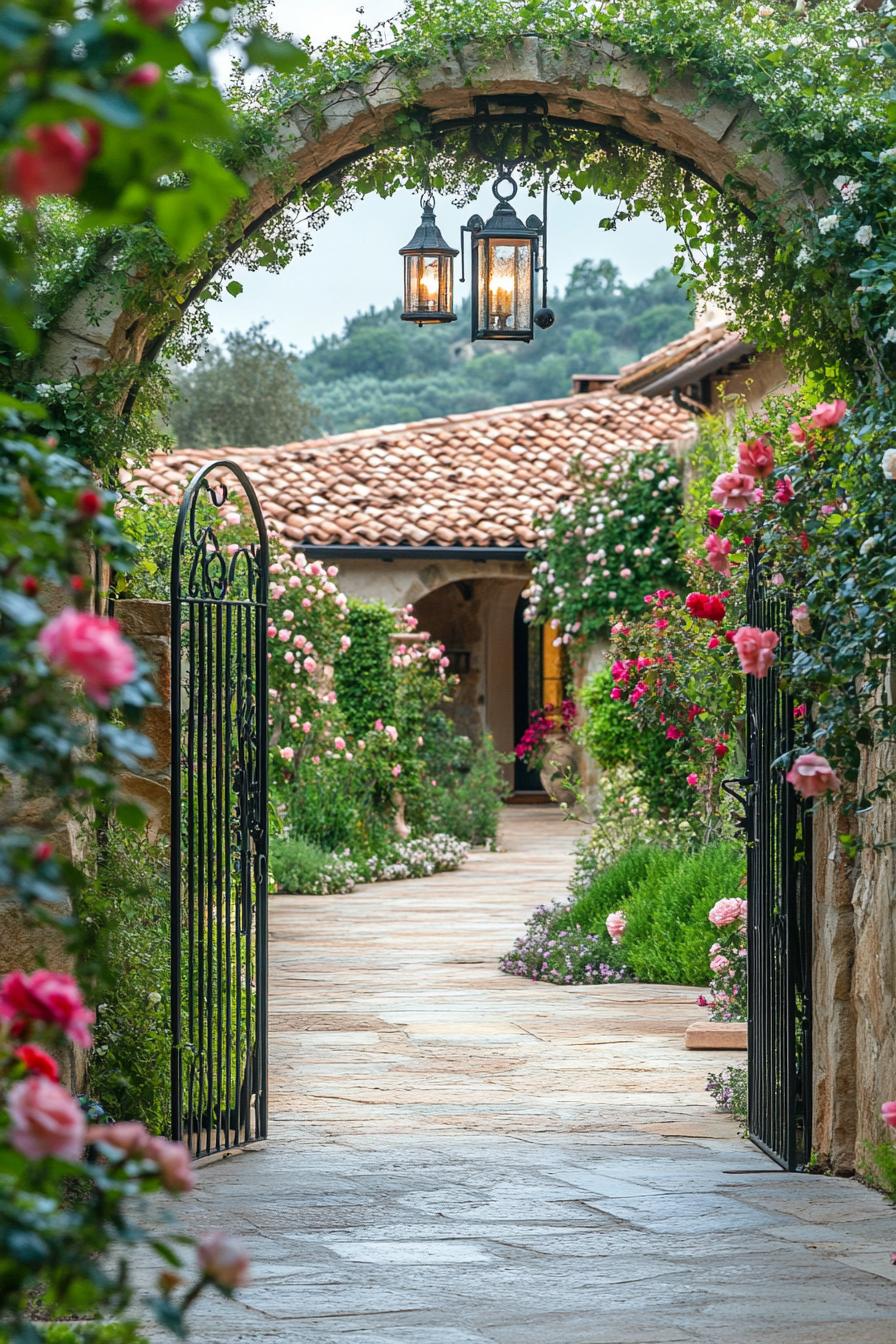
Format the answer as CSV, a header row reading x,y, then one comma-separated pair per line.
x,y
379,370
244,395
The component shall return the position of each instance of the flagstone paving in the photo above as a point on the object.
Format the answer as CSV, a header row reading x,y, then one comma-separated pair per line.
x,y
461,1157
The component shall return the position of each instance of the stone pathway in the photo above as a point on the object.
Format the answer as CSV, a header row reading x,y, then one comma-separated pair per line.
x,y
460,1157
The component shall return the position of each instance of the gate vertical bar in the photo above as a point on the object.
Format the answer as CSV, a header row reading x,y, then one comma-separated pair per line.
x,y
779,907
219,822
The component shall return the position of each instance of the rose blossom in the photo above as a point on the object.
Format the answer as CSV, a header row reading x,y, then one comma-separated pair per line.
x,y
755,649
714,519
734,490
802,621
693,780
52,163
755,458
174,1163
154,12
705,607
727,911
45,996
797,433
888,464
36,1060
130,1137
718,550
616,923
888,1112
827,414
46,1121
718,964
223,1259
784,491
89,647
812,775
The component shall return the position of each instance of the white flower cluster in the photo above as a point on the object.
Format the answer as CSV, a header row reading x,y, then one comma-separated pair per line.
x,y
422,857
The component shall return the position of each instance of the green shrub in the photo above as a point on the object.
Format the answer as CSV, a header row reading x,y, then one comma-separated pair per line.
x,y
667,933
91,1332
729,1090
666,895
299,866
611,886
467,785
125,912
614,736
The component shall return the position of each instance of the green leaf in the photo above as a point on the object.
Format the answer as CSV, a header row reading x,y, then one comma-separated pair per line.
x,y
131,815
19,609
262,49
107,104
234,288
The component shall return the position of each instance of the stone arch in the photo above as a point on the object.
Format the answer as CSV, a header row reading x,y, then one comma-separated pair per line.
x,y
590,84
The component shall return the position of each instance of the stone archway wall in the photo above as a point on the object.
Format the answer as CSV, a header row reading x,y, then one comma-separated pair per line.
x,y
592,84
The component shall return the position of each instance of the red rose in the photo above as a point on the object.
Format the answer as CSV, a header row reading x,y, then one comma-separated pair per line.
x,y
89,503
51,164
143,76
30,586
45,996
154,12
705,607
36,1060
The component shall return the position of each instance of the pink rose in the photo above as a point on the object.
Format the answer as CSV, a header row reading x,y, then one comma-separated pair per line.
x,y
224,1259
130,1137
733,490
90,647
616,923
718,550
396,771
755,649
797,433
718,964
144,76
784,491
714,519
827,414
755,458
154,12
802,621
812,775
287,753
727,911
45,996
888,1112
339,743
693,780
173,1162
46,1121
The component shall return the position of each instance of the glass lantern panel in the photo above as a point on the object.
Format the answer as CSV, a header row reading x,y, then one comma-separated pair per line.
x,y
505,285
423,284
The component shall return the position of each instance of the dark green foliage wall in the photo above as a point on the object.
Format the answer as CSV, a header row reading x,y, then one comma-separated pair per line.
x,y
365,681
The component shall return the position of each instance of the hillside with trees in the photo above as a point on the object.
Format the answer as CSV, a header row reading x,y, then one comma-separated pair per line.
x,y
380,370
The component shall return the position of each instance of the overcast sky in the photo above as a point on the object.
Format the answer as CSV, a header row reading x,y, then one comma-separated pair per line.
x,y
354,261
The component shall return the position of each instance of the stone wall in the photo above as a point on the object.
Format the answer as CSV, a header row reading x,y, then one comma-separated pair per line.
x,y
854,973
147,624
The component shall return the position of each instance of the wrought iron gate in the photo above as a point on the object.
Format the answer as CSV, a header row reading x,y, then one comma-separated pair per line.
x,y
219,818
779,934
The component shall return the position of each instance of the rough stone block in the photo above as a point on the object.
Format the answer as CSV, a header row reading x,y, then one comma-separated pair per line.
x,y
139,616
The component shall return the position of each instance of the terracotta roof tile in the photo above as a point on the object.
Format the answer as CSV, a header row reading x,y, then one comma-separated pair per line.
x,y
707,349
461,480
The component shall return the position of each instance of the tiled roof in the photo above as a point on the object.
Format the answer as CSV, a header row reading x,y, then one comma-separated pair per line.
x,y
462,480
698,354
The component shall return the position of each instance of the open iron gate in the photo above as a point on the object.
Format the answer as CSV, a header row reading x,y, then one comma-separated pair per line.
x,y
779,934
219,832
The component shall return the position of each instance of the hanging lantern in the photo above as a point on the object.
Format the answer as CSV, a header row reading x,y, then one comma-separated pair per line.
x,y
505,256
428,272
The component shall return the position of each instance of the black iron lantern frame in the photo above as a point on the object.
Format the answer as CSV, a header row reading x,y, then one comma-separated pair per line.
x,y
506,256
428,272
